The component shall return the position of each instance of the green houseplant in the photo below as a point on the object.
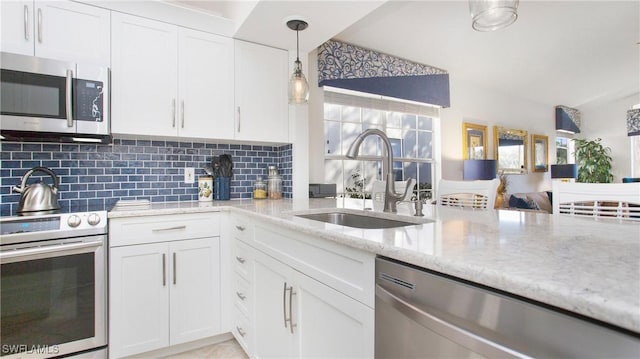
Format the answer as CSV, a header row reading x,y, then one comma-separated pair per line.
x,y
594,161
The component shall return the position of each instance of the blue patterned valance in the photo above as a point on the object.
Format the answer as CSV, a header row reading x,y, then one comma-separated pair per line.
x,y
568,119
633,122
355,68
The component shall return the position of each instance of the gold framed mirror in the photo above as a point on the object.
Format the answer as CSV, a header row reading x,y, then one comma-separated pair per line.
x,y
510,150
540,153
474,141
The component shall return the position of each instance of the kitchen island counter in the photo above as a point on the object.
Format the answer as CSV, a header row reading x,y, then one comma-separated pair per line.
x,y
583,265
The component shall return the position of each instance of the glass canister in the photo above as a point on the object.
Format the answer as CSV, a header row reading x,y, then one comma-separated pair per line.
x,y
274,183
259,189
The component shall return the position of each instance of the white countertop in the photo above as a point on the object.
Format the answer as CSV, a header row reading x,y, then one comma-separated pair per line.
x,y
584,265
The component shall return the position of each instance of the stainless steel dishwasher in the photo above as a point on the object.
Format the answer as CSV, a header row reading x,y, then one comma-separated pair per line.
x,y
421,314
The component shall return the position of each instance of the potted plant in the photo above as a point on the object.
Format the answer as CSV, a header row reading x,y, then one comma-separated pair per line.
x,y
594,161
501,192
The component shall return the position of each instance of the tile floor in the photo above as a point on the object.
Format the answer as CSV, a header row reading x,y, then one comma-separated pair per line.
x,y
229,349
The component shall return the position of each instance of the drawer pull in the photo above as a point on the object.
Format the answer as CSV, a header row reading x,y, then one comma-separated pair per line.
x,y
164,269
175,266
240,259
240,228
241,296
168,229
241,332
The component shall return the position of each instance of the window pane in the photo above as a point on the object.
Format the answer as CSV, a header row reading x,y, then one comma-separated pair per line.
x,y
332,137
349,133
394,120
410,170
425,145
409,122
333,174
372,117
396,146
425,180
410,144
350,114
371,146
425,123
331,112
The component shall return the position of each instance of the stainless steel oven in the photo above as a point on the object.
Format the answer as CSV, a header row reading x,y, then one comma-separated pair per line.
x,y
44,96
53,288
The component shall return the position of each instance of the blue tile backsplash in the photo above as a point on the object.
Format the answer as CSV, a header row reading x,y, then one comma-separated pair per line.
x,y
97,175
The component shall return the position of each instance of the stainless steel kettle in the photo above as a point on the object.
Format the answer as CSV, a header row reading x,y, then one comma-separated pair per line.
x,y
38,197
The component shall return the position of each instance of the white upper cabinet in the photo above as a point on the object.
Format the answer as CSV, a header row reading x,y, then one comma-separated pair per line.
x,y
144,76
205,86
17,27
261,78
62,30
170,81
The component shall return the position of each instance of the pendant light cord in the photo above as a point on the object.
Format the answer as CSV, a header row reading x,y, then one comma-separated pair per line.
x,y
298,42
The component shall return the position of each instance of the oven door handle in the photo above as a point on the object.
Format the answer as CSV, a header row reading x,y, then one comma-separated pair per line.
x,y
56,250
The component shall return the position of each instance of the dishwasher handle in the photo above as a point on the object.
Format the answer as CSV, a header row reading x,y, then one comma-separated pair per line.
x,y
446,329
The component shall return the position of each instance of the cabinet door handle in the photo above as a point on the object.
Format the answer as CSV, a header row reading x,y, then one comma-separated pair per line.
x,y
240,228
240,295
175,265
40,25
241,332
284,304
182,114
238,118
291,294
240,259
173,112
69,99
26,22
164,269
168,228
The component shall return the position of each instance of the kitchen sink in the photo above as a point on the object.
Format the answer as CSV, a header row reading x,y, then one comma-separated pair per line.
x,y
356,220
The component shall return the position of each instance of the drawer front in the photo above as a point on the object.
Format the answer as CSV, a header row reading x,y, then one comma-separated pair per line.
x,y
241,228
242,263
242,331
152,229
343,268
242,295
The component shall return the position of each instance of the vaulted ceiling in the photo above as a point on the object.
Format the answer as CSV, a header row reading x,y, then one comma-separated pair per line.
x,y
557,52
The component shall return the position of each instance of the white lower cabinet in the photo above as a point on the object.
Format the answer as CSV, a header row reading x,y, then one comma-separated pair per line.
x,y
295,315
165,293
299,317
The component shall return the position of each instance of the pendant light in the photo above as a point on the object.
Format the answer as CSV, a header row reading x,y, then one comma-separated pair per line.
x,y
298,85
491,15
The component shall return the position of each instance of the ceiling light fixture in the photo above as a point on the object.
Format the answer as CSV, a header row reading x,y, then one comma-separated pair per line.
x,y
298,85
491,15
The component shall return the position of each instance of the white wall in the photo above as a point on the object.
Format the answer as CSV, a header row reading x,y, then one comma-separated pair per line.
x,y
608,121
470,103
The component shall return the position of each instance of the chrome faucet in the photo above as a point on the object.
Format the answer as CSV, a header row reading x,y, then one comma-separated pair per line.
x,y
390,195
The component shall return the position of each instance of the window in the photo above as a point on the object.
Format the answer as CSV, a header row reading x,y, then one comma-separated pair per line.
x,y
565,149
411,130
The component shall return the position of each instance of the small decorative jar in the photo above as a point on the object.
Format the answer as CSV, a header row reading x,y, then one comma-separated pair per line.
x,y
259,189
274,183
205,188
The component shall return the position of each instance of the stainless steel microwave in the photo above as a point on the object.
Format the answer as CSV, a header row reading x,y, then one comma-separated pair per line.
x,y
44,98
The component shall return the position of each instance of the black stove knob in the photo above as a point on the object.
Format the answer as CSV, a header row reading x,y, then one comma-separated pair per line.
x,y
73,221
93,219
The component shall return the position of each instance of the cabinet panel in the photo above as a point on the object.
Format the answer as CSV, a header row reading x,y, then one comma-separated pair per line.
x,y
195,289
271,279
17,27
205,85
144,76
331,325
261,80
139,230
139,299
71,31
